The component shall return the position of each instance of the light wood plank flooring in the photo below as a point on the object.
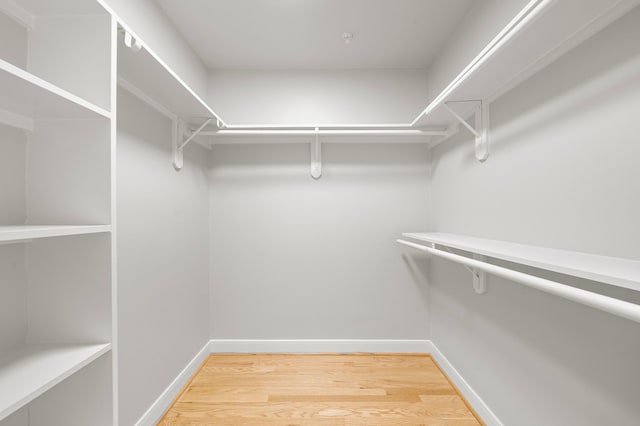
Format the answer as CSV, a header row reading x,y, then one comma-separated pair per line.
x,y
319,390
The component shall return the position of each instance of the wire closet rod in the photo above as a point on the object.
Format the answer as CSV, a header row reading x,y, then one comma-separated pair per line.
x,y
621,308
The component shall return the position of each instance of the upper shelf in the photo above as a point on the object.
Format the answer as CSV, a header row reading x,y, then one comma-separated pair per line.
x,y
26,95
145,72
609,270
532,43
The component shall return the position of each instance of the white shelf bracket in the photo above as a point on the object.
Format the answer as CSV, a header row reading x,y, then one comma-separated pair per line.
x,y
131,42
177,148
316,156
479,277
176,131
481,129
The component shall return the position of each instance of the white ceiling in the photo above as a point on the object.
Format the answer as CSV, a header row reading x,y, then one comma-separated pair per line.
x,y
307,34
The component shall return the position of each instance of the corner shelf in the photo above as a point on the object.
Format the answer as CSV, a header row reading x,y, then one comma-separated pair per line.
x,y
31,232
608,270
29,371
31,97
148,74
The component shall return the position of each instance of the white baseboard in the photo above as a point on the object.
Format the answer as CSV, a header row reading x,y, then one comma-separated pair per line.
x,y
319,346
465,389
160,405
158,408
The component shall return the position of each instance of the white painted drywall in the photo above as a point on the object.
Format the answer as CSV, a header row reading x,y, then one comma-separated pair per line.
x,y
318,97
145,18
69,289
163,245
68,173
61,49
295,258
563,173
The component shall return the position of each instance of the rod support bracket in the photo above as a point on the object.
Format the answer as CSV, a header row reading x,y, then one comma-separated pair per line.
x,y
480,129
316,156
176,152
178,146
131,42
479,277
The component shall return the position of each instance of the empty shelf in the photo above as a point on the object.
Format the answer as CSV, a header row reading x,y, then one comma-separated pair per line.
x,y
29,96
609,270
31,370
147,74
31,232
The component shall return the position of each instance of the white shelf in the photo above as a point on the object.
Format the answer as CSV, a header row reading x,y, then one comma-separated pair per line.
x,y
26,95
609,270
31,232
31,370
538,44
149,75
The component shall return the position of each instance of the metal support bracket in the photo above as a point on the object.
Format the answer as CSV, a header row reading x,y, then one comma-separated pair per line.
x,y
177,147
316,157
481,129
479,277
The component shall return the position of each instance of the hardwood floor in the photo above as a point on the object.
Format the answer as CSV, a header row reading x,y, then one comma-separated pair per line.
x,y
319,390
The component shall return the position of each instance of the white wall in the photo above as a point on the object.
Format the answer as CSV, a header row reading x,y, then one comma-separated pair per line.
x,y
295,258
563,173
163,246
318,97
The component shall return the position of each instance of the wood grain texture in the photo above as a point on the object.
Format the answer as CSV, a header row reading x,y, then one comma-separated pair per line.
x,y
319,390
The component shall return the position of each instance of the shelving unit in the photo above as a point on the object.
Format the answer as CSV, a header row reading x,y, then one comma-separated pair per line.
x,y
29,371
608,270
56,151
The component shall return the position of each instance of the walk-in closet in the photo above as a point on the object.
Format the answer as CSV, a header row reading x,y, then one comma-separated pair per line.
x,y
319,212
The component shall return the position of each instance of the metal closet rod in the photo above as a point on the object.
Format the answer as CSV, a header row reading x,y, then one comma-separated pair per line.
x,y
621,308
325,132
